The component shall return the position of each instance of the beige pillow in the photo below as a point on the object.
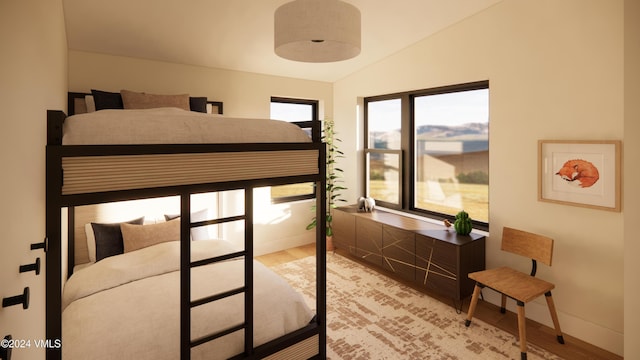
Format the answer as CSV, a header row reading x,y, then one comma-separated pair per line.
x,y
136,237
136,100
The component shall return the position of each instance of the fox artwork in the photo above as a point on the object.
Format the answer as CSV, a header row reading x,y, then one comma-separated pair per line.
x,y
580,172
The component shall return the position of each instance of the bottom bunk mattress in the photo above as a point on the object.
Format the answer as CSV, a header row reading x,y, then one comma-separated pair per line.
x,y
128,306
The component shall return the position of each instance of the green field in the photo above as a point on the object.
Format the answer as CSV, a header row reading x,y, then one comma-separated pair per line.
x,y
475,197
291,190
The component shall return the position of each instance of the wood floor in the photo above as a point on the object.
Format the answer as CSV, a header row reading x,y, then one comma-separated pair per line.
x,y
537,334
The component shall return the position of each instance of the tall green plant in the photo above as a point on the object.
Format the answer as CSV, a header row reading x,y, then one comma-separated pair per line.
x,y
334,174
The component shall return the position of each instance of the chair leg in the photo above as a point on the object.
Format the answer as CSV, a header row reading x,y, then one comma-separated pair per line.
x,y
503,307
554,317
474,302
522,331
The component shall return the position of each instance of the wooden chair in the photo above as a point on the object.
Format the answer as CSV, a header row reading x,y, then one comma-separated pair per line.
x,y
517,285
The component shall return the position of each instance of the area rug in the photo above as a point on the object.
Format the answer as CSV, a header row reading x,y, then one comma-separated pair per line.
x,y
370,316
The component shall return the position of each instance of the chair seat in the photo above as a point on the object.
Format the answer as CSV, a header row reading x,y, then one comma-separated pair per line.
x,y
513,283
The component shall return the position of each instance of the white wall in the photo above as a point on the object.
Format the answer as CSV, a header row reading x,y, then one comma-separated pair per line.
x,y
33,78
556,72
244,95
631,190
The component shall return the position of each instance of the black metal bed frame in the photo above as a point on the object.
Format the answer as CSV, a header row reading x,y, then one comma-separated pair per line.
x,y
56,200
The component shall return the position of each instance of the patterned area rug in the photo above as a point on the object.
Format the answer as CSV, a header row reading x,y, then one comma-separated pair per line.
x,y
371,316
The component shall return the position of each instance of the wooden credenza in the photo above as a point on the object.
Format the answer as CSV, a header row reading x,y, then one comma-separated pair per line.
x,y
421,252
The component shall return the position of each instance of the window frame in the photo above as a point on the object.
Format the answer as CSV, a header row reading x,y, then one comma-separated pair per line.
x,y
407,147
314,125
400,155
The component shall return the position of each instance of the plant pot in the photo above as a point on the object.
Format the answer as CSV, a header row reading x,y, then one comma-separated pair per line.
x,y
330,246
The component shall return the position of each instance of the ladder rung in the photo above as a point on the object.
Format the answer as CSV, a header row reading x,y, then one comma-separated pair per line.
x,y
217,221
220,334
216,297
218,259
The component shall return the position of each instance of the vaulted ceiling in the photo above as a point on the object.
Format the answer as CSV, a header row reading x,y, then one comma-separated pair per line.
x,y
238,34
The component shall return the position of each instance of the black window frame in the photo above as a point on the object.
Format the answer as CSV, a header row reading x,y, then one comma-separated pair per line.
x,y
315,128
407,147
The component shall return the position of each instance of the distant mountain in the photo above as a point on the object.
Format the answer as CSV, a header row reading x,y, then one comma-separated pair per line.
x,y
466,131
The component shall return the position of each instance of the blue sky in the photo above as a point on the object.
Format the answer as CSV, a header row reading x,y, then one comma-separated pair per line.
x,y
450,109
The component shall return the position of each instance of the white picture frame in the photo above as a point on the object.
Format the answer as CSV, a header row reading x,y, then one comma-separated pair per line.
x,y
580,173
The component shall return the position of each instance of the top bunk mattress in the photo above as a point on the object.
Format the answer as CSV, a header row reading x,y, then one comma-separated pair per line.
x,y
174,126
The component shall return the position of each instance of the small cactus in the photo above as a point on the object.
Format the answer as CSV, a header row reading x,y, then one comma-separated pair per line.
x,y
462,223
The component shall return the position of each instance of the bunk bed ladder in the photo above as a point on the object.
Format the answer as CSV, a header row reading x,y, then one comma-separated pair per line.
x,y
186,304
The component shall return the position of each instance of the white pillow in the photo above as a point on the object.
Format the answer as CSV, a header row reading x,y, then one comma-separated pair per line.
x,y
200,232
91,104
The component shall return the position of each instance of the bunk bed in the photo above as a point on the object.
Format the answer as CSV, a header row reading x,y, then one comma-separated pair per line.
x,y
206,273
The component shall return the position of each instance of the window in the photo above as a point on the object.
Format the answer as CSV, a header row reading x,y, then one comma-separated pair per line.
x,y
427,151
384,152
303,113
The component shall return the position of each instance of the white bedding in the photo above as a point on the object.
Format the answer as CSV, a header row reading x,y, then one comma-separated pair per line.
x,y
173,126
128,306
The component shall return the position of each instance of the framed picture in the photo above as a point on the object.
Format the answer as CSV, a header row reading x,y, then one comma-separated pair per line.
x,y
580,173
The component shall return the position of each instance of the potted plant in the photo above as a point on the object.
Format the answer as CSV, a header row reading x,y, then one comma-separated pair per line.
x,y
334,174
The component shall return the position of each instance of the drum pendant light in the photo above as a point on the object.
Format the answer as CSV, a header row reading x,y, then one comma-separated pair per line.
x,y
317,31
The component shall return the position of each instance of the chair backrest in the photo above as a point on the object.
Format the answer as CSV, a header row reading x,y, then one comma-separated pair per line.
x,y
533,246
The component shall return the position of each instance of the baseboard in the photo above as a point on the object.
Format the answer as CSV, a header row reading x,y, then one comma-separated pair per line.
x,y
268,246
586,331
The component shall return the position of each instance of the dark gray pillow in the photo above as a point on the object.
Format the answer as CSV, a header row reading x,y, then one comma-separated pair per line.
x,y
198,104
170,217
109,238
107,100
